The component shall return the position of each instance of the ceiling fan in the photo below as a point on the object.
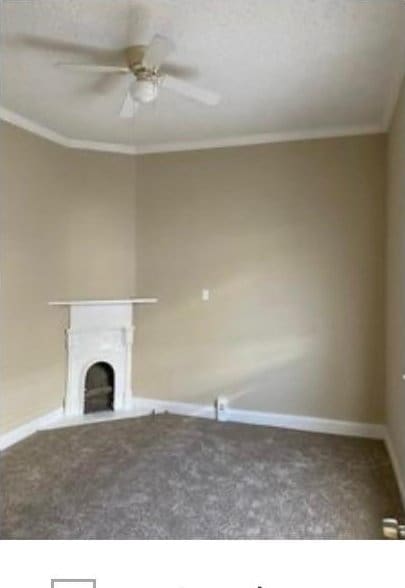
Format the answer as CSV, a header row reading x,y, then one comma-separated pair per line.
x,y
145,65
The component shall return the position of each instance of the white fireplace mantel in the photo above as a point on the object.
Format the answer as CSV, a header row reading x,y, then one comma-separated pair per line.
x,y
99,331
103,302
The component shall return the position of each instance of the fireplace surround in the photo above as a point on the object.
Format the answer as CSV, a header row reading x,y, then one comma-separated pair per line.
x,y
100,331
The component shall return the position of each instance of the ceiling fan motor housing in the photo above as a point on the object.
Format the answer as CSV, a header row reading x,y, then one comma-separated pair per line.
x,y
135,55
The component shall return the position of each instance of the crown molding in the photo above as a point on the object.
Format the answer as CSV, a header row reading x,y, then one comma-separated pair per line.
x,y
33,127
121,148
258,139
235,141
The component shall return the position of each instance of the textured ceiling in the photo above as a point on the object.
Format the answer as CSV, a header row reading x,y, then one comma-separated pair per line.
x,y
281,66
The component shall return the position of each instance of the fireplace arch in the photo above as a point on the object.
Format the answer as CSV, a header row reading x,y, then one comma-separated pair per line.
x,y
99,387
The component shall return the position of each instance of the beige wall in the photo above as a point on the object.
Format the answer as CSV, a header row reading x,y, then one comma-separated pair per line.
x,y
66,230
396,286
289,238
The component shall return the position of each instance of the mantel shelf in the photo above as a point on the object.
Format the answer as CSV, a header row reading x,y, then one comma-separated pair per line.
x,y
102,302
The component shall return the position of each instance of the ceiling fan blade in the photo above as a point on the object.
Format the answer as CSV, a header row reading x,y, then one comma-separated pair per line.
x,y
139,22
157,51
94,68
179,71
129,106
57,45
191,91
105,84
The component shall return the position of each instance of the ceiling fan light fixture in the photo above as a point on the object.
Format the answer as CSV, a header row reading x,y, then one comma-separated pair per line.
x,y
144,91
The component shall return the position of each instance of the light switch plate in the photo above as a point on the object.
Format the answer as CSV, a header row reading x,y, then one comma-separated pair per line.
x,y
205,295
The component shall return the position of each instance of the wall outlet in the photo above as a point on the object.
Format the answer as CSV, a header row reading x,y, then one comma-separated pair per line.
x,y
221,406
205,295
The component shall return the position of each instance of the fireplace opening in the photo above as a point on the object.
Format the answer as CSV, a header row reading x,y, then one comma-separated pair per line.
x,y
99,388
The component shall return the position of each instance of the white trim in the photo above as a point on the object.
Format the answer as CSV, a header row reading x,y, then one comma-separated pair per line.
x,y
97,417
31,126
288,421
102,302
148,405
139,407
22,432
145,406
400,476
263,138
120,148
233,141
307,423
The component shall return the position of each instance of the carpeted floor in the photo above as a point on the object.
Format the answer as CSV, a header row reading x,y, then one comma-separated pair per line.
x,y
169,477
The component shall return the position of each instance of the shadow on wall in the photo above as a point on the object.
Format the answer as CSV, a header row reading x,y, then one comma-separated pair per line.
x,y
289,238
222,345
290,354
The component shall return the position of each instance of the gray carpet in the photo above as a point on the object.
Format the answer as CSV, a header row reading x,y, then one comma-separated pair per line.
x,y
169,477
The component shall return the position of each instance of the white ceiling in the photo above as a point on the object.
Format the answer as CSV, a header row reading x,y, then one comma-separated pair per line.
x,y
284,68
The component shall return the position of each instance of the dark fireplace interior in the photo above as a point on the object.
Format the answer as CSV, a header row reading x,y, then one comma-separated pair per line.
x,y
99,388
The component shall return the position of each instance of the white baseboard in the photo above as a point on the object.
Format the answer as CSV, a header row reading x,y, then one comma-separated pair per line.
x,y
139,407
144,406
306,423
98,417
147,405
23,431
252,417
400,476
